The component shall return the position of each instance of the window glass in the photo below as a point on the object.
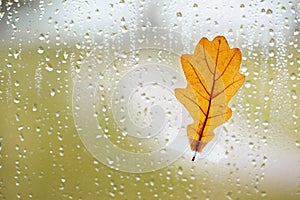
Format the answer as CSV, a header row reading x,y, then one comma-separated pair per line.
x,y
88,108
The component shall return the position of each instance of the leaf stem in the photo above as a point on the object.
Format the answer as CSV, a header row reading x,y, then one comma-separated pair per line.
x,y
193,159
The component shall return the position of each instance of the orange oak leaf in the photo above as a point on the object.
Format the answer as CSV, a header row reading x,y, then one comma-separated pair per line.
x,y
213,77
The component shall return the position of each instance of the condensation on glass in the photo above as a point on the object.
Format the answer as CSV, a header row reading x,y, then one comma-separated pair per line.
x,y
88,108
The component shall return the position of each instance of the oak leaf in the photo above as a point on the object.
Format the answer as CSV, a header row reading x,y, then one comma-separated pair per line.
x,y
213,77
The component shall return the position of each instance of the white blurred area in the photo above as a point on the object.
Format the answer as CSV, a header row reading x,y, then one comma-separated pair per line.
x,y
256,21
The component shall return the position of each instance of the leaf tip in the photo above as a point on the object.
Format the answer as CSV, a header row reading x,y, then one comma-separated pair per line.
x,y
220,37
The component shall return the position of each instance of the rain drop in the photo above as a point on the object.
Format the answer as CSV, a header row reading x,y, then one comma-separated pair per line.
x,y
293,76
247,84
40,50
52,92
179,16
63,179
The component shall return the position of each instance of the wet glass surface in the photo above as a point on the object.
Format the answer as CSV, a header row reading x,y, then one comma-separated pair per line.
x,y
88,108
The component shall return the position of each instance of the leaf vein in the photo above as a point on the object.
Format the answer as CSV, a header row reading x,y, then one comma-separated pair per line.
x,y
226,67
194,69
228,86
195,103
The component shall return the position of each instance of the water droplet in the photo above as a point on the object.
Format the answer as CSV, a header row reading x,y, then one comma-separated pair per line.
x,y
294,94
122,21
242,6
247,84
283,9
77,68
271,53
179,16
251,145
38,129
63,179
269,12
40,50
266,98
110,161
271,81
49,68
17,84
52,92
21,127
42,37
272,42
34,107
293,76
263,193
163,151
180,170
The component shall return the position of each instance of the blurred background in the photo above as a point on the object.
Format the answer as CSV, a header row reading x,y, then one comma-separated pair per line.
x,y
43,47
